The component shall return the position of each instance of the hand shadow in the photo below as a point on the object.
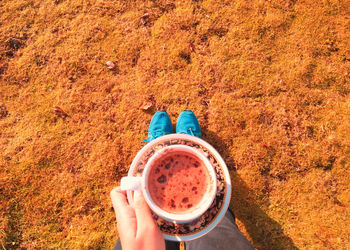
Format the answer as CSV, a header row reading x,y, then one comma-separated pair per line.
x,y
265,232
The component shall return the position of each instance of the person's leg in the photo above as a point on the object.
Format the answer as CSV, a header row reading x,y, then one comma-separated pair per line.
x,y
169,245
226,234
117,245
172,245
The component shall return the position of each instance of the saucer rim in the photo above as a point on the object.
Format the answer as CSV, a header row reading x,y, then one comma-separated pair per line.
x,y
223,166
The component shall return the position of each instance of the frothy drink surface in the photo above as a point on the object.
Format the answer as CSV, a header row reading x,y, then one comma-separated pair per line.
x,y
177,182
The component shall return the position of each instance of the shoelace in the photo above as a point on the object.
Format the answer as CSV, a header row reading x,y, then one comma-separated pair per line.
x,y
189,130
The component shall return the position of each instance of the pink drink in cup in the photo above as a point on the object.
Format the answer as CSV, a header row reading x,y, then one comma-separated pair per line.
x,y
177,182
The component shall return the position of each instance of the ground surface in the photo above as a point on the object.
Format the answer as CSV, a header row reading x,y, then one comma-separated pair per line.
x,y
268,80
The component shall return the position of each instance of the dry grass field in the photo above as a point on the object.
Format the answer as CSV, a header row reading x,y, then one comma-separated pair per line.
x,y
268,80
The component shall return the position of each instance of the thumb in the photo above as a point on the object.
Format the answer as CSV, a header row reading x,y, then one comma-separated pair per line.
x,y
142,211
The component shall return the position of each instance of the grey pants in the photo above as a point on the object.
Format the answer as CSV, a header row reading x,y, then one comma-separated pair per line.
x,y
225,236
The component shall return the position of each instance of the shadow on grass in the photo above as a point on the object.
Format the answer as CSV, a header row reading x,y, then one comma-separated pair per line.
x,y
265,232
13,234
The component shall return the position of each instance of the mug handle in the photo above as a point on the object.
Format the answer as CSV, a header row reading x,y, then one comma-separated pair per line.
x,y
130,183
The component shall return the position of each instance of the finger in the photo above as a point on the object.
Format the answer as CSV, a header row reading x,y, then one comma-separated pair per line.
x,y
144,217
124,213
119,201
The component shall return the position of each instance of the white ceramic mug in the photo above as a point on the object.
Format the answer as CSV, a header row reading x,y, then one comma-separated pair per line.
x,y
140,183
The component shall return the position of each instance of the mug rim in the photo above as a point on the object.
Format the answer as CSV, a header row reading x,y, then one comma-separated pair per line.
x,y
187,217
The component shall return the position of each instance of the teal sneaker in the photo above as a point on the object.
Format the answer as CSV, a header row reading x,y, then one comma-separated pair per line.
x,y
160,125
187,123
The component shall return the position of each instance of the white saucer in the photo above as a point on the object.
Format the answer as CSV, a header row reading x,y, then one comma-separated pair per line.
x,y
206,222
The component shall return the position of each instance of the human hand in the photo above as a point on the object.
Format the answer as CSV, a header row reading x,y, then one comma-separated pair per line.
x,y
136,227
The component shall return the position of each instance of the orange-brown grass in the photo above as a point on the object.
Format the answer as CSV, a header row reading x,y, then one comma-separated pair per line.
x,y
268,80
